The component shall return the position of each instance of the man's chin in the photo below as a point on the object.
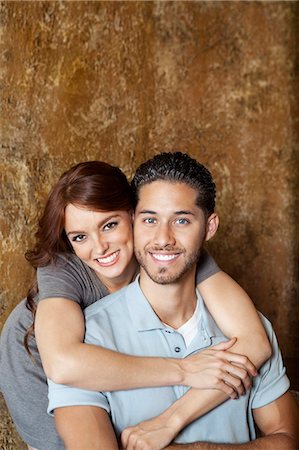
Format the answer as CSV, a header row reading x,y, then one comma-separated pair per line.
x,y
164,278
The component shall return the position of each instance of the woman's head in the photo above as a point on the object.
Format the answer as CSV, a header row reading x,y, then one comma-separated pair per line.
x,y
97,197
92,185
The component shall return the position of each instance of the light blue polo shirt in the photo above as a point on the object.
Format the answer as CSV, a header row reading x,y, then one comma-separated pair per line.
x,y
125,322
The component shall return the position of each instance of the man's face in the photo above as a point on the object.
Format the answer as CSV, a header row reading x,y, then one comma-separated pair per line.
x,y
169,230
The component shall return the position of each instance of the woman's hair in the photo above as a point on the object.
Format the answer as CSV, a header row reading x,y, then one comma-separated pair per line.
x,y
94,185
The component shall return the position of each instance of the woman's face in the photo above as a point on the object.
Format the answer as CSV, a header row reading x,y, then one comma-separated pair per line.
x,y
104,241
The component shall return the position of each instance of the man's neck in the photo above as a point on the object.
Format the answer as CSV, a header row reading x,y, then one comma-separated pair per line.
x,y
173,303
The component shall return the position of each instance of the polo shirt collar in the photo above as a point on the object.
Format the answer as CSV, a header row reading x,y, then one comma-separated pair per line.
x,y
145,318
142,314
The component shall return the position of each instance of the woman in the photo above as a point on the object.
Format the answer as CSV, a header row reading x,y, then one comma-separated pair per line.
x,y
83,252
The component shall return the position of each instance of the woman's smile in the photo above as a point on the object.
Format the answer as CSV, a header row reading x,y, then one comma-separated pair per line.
x,y
104,241
109,260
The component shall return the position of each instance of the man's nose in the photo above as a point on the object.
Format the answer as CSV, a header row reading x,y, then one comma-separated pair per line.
x,y
164,235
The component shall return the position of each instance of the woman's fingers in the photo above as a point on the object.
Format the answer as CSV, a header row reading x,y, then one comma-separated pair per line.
x,y
213,366
225,345
235,358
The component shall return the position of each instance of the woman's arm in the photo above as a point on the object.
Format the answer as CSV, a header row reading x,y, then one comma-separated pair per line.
x,y
236,316
59,330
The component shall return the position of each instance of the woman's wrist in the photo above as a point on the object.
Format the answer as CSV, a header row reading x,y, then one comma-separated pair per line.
x,y
176,372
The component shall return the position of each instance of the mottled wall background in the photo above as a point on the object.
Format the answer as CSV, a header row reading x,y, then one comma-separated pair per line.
x,y
120,81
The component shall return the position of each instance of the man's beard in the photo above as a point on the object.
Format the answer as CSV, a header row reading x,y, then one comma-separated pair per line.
x,y
161,276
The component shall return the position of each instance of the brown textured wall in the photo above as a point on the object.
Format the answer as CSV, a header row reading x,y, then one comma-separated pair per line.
x,y
120,81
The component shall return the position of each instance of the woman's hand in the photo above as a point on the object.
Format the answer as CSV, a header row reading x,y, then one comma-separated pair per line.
x,y
218,368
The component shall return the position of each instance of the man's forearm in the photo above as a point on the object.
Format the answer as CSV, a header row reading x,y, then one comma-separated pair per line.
x,y
276,441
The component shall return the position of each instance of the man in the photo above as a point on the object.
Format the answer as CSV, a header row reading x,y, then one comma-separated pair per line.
x,y
160,314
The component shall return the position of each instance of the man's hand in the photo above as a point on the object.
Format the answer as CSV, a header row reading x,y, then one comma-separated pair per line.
x,y
218,368
152,434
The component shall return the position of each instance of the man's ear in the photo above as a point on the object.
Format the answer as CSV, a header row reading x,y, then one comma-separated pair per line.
x,y
212,226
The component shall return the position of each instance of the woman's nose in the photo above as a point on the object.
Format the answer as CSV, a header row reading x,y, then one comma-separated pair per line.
x,y
100,245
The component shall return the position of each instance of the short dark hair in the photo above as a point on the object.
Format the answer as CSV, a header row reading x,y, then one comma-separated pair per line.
x,y
177,167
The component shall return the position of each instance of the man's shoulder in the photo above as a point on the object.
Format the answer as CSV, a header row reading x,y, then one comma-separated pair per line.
x,y
267,324
105,302
116,299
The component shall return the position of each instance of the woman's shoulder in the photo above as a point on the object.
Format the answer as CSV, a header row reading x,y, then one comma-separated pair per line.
x,y
61,263
69,277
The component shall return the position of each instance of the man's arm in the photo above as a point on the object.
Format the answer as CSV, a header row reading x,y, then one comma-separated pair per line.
x,y
85,428
278,422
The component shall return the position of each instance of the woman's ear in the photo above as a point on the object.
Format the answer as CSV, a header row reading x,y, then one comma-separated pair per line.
x,y
212,226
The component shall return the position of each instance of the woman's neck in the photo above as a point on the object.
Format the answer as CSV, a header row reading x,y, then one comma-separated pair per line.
x,y
124,279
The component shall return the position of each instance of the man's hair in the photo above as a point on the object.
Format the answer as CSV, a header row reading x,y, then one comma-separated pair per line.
x,y
177,167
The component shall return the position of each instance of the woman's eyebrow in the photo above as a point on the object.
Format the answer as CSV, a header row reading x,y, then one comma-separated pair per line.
x,y
113,216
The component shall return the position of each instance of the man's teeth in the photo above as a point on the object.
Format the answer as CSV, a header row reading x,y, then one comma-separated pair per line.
x,y
108,259
164,257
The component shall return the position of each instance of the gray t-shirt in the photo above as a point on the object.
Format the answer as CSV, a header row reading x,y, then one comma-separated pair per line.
x,y
22,380
70,278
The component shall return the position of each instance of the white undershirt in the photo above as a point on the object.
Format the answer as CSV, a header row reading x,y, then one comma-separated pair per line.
x,y
189,329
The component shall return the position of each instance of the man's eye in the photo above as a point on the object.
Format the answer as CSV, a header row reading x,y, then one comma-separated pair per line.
x,y
149,220
78,238
182,221
109,226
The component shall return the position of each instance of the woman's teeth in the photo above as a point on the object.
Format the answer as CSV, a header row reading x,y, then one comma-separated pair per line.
x,y
108,259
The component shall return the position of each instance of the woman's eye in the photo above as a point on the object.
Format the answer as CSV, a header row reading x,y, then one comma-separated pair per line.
x,y
78,238
109,226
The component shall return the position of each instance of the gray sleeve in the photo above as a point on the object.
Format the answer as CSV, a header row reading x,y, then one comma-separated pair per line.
x,y
60,279
68,277
206,267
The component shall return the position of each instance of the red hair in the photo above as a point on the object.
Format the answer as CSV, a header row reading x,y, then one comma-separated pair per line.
x,y
94,185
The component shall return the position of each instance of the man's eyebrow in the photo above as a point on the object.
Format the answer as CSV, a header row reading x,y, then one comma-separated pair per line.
x,y
184,212
177,213
147,211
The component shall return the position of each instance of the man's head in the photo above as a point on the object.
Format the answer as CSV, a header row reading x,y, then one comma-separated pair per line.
x,y
178,167
174,215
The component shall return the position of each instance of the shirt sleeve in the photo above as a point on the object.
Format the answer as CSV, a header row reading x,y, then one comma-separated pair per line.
x,y
272,381
60,279
206,267
61,395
